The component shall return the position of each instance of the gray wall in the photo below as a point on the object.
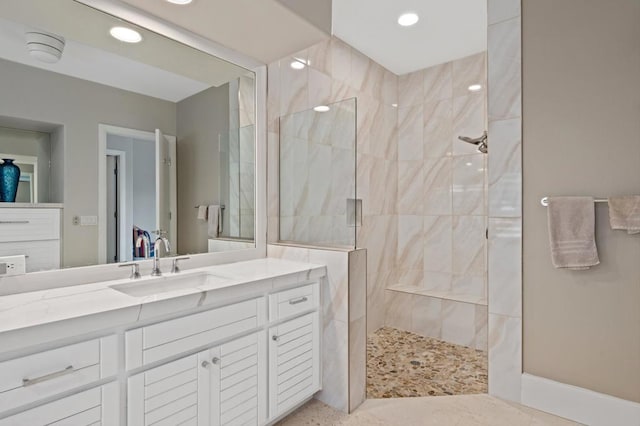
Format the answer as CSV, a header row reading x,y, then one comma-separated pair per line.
x,y
35,144
581,105
80,106
201,117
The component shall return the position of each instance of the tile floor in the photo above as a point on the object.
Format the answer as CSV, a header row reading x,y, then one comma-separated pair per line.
x,y
403,364
459,410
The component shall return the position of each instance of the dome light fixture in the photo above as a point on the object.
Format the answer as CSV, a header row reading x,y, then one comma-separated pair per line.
x,y
475,87
126,35
408,19
321,108
180,2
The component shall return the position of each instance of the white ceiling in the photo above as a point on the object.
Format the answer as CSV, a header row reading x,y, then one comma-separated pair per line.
x,y
157,67
447,30
262,29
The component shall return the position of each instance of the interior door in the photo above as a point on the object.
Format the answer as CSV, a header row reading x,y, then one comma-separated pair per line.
x,y
112,209
166,196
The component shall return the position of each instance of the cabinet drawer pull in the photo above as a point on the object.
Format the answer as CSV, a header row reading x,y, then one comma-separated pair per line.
x,y
298,300
8,222
30,382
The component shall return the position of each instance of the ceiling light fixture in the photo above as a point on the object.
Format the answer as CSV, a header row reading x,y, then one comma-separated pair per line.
x,y
475,87
180,2
126,35
321,108
408,19
298,64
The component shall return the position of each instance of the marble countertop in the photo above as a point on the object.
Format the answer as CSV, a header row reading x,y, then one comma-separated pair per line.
x,y
66,311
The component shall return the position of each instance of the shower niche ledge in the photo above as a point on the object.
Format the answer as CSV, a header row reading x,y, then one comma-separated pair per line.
x,y
441,294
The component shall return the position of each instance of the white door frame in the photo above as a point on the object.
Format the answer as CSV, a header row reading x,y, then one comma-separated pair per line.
x,y
122,202
103,131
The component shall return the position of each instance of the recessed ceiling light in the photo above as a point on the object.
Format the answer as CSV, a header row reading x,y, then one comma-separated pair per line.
x,y
180,2
298,64
125,34
475,87
468,164
394,105
408,19
321,108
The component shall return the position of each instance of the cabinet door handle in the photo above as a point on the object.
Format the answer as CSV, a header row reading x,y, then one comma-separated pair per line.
x,y
51,376
298,300
275,338
205,364
8,222
215,360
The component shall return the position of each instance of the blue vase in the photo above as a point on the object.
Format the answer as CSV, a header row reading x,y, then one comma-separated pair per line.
x,y
9,179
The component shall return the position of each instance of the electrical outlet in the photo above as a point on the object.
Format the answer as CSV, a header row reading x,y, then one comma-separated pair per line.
x,y
12,265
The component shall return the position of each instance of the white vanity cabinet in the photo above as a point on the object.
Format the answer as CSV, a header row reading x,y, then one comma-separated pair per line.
x,y
32,232
224,385
294,362
247,361
45,374
93,407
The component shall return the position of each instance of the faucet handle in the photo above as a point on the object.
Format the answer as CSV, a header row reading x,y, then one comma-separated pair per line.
x,y
175,268
135,269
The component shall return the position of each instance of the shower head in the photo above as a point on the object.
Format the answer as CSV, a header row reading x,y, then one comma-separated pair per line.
x,y
480,142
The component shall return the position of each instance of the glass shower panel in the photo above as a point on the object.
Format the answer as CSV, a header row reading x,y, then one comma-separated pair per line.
x,y
318,203
237,182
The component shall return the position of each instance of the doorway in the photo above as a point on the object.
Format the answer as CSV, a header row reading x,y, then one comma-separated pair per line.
x,y
136,190
116,203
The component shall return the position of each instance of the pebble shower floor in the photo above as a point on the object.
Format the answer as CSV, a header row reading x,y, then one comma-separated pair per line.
x,y
403,364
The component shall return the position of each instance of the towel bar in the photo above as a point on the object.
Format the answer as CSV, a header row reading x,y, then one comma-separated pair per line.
x,y
222,206
545,201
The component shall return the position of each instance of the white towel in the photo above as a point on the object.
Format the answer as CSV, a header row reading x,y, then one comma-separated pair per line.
x,y
214,221
572,232
202,213
624,213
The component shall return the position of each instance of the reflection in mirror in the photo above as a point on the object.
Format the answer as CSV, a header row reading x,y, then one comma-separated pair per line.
x,y
118,143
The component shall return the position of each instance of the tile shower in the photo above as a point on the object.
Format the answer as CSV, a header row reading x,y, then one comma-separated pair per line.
x,y
423,193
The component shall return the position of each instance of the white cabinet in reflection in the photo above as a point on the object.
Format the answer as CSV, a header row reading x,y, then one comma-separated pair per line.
x,y
32,232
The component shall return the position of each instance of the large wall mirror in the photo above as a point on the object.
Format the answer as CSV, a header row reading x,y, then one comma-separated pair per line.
x,y
121,135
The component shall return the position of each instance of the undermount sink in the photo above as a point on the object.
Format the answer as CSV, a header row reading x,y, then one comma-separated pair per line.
x,y
153,286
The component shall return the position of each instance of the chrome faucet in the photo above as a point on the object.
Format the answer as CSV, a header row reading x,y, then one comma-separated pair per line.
x,y
156,272
147,245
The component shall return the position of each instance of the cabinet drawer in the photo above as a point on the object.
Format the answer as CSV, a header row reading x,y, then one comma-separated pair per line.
x,y
40,255
98,406
290,302
29,224
44,374
158,341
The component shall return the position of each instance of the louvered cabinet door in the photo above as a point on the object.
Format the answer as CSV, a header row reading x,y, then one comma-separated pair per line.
x,y
176,393
238,382
294,363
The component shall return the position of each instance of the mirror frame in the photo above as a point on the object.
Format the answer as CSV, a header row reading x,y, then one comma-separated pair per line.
x,y
101,272
181,35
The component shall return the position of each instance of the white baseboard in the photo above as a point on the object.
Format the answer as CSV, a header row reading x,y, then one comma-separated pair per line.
x,y
578,404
